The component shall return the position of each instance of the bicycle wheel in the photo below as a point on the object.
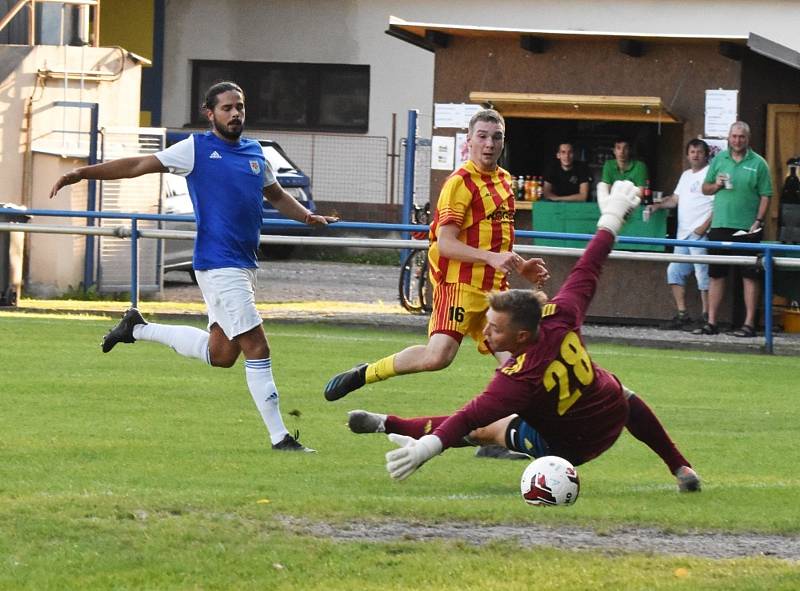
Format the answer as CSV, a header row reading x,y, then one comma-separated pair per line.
x,y
423,287
413,272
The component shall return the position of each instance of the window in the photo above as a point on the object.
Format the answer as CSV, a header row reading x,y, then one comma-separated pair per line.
x,y
292,96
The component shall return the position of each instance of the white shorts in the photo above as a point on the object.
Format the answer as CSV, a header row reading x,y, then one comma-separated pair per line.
x,y
230,296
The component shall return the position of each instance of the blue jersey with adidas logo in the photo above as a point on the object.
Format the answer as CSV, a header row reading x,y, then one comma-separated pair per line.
x,y
226,182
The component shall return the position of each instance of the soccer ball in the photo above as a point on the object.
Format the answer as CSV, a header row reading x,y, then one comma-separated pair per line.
x,y
550,480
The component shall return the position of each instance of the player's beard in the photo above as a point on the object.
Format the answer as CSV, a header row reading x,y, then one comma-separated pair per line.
x,y
232,133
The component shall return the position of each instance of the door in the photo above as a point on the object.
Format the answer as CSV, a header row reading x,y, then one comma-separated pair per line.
x,y
783,143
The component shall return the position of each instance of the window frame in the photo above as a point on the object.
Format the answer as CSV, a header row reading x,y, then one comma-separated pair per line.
x,y
249,75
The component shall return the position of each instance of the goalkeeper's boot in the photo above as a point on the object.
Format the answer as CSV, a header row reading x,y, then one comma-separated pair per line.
x,y
342,384
291,443
499,452
123,331
688,480
362,421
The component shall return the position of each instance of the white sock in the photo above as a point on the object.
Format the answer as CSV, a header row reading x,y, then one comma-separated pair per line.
x,y
185,340
265,395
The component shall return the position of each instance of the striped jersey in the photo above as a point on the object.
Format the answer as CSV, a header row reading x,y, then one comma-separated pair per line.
x,y
481,204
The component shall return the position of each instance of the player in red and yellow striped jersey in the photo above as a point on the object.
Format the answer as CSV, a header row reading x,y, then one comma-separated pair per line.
x,y
472,236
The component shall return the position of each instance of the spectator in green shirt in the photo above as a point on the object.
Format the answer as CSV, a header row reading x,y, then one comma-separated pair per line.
x,y
740,181
623,167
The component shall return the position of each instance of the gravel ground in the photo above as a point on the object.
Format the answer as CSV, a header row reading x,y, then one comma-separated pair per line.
x,y
303,281
715,545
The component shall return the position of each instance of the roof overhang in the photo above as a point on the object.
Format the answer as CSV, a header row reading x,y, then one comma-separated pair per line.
x,y
426,35
419,33
646,109
774,51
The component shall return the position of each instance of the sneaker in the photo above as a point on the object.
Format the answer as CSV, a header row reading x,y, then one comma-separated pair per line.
x,y
680,321
123,331
688,480
342,384
362,421
498,452
291,443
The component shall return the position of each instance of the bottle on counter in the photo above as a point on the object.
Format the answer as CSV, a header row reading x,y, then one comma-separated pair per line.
x,y
539,188
647,193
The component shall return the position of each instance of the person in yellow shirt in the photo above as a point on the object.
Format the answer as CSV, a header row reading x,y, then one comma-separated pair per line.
x,y
470,255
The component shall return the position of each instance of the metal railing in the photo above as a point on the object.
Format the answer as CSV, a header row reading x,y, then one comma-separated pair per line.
x,y
763,254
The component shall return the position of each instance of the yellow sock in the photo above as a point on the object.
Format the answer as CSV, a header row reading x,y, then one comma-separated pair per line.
x,y
383,369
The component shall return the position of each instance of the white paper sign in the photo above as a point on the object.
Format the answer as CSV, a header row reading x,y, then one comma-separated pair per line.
x,y
462,150
442,150
721,112
453,114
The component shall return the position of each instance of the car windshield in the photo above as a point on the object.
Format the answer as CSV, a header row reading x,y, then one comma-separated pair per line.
x,y
277,161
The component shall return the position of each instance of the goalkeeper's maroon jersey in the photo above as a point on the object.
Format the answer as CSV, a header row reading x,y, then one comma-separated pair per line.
x,y
576,406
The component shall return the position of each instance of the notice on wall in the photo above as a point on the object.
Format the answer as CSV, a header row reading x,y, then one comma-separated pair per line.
x,y
462,149
721,112
453,114
442,151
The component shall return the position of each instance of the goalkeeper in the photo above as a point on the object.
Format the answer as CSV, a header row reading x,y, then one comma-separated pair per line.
x,y
565,404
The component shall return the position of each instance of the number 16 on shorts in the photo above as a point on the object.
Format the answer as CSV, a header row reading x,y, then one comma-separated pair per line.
x,y
455,314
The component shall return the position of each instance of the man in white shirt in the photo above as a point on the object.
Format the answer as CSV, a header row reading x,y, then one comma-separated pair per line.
x,y
694,219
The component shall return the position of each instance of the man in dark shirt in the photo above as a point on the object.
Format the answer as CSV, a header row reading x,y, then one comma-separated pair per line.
x,y
566,405
565,179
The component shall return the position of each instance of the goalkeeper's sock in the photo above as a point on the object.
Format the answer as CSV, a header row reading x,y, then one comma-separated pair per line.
x,y
383,369
415,428
185,340
645,426
265,395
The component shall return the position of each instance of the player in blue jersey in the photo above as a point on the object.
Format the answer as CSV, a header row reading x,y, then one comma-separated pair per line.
x,y
228,177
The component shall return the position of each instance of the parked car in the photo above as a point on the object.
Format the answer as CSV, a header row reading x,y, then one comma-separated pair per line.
x,y
176,200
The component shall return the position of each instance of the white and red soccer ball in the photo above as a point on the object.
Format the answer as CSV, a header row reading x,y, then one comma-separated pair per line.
x,y
550,480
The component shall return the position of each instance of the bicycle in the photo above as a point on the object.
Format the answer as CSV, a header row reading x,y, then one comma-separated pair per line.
x,y
413,285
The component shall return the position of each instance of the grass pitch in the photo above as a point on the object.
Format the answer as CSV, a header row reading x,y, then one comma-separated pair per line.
x,y
144,470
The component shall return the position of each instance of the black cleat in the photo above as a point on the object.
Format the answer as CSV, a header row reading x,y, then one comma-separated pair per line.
x,y
499,452
123,331
291,443
342,384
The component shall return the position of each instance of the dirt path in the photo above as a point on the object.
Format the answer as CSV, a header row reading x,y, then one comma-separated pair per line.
x,y
625,539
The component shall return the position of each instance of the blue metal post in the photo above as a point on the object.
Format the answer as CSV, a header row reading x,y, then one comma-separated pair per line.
x,y
408,172
134,262
91,199
768,272
91,196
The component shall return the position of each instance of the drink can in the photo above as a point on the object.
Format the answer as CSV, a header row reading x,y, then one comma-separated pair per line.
x,y
726,178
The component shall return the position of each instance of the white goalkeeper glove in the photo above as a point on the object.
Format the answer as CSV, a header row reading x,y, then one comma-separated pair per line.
x,y
411,454
617,205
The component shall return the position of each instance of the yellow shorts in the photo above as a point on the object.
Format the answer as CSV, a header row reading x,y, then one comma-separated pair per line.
x,y
460,310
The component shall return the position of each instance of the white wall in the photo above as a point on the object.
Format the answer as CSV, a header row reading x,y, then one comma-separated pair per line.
x,y
352,31
56,261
